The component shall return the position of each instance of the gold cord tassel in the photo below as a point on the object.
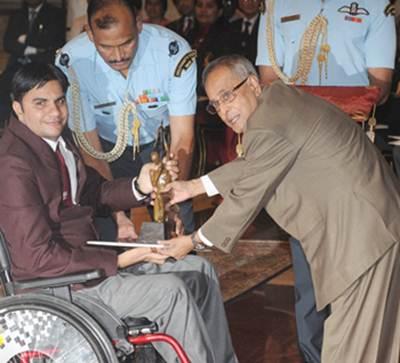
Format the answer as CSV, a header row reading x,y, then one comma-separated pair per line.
x,y
371,126
323,56
135,136
239,147
122,125
316,32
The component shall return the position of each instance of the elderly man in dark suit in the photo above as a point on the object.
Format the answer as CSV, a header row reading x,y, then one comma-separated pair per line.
x,y
47,201
34,33
321,179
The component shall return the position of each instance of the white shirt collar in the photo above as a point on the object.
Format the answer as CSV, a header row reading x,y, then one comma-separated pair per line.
x,y
251,20
37,9
53,144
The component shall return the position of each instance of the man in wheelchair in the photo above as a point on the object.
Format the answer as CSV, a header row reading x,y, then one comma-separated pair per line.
x,y
47,201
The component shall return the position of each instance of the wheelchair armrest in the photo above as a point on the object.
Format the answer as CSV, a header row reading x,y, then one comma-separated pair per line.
x,y
53,282
142,325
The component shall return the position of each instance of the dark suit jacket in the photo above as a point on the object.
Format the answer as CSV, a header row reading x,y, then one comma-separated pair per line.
x,y
235,42
44,238
46,33
320,178
177,26
207,43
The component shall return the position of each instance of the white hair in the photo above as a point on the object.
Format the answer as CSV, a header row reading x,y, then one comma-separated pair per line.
x,y
238,64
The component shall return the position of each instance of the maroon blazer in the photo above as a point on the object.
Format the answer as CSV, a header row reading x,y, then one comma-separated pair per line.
x,y
46,239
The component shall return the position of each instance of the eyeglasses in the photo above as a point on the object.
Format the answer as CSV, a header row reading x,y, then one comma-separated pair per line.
x,y
226,97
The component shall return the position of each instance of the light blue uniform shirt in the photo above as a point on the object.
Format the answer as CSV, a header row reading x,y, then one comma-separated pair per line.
x,y
360,36
153,82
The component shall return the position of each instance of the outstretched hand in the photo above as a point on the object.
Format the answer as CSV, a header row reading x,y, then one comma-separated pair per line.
x,y
179,191
141,254
126,229
177,247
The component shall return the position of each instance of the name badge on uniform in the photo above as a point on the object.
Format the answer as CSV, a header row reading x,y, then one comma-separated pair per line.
x,y
353,19
287,19
102,105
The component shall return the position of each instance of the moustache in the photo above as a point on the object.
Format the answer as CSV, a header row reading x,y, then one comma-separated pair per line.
x,y
115,61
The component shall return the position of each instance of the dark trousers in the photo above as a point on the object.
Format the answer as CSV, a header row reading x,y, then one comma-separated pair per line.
x,y
309,321
126,166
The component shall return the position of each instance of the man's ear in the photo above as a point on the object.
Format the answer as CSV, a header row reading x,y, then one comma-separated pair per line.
x,y
89,33
139,23
255,85
19,111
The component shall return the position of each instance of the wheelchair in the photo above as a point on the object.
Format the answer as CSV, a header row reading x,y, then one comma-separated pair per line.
x,y
44,321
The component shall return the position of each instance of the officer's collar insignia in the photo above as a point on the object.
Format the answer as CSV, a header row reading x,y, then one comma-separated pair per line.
x,y
390,8
64,59
353,9
173,48
185,63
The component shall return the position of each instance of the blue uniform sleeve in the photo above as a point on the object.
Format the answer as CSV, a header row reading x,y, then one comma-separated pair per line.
x,y
182,82
380,44
262,48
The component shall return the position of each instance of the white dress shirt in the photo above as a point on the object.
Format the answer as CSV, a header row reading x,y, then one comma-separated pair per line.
x,y
69,161
211,190
72,169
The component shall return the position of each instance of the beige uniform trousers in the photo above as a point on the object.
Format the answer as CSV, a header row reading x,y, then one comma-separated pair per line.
x,y
364,325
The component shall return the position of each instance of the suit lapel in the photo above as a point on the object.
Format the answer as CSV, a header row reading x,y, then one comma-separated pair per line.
x,y
255,27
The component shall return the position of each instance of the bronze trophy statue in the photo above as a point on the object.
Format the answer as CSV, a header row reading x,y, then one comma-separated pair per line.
x,y
163,225
159,179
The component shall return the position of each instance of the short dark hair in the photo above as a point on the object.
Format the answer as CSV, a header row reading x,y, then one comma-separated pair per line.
x,y
108,20
164,6
34,75
220,3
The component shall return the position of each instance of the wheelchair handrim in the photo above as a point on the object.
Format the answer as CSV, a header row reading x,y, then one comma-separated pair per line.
x,y
50,313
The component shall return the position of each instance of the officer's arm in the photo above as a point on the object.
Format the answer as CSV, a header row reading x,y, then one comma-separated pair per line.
x,y
267,75
382,78
182,105
182,141
379,58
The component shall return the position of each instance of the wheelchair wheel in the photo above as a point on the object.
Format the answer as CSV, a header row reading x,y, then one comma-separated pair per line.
x,y
46,329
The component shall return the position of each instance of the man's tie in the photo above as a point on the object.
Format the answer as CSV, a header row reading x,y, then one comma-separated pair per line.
x,y
187,25
31,16
246,27
66,196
